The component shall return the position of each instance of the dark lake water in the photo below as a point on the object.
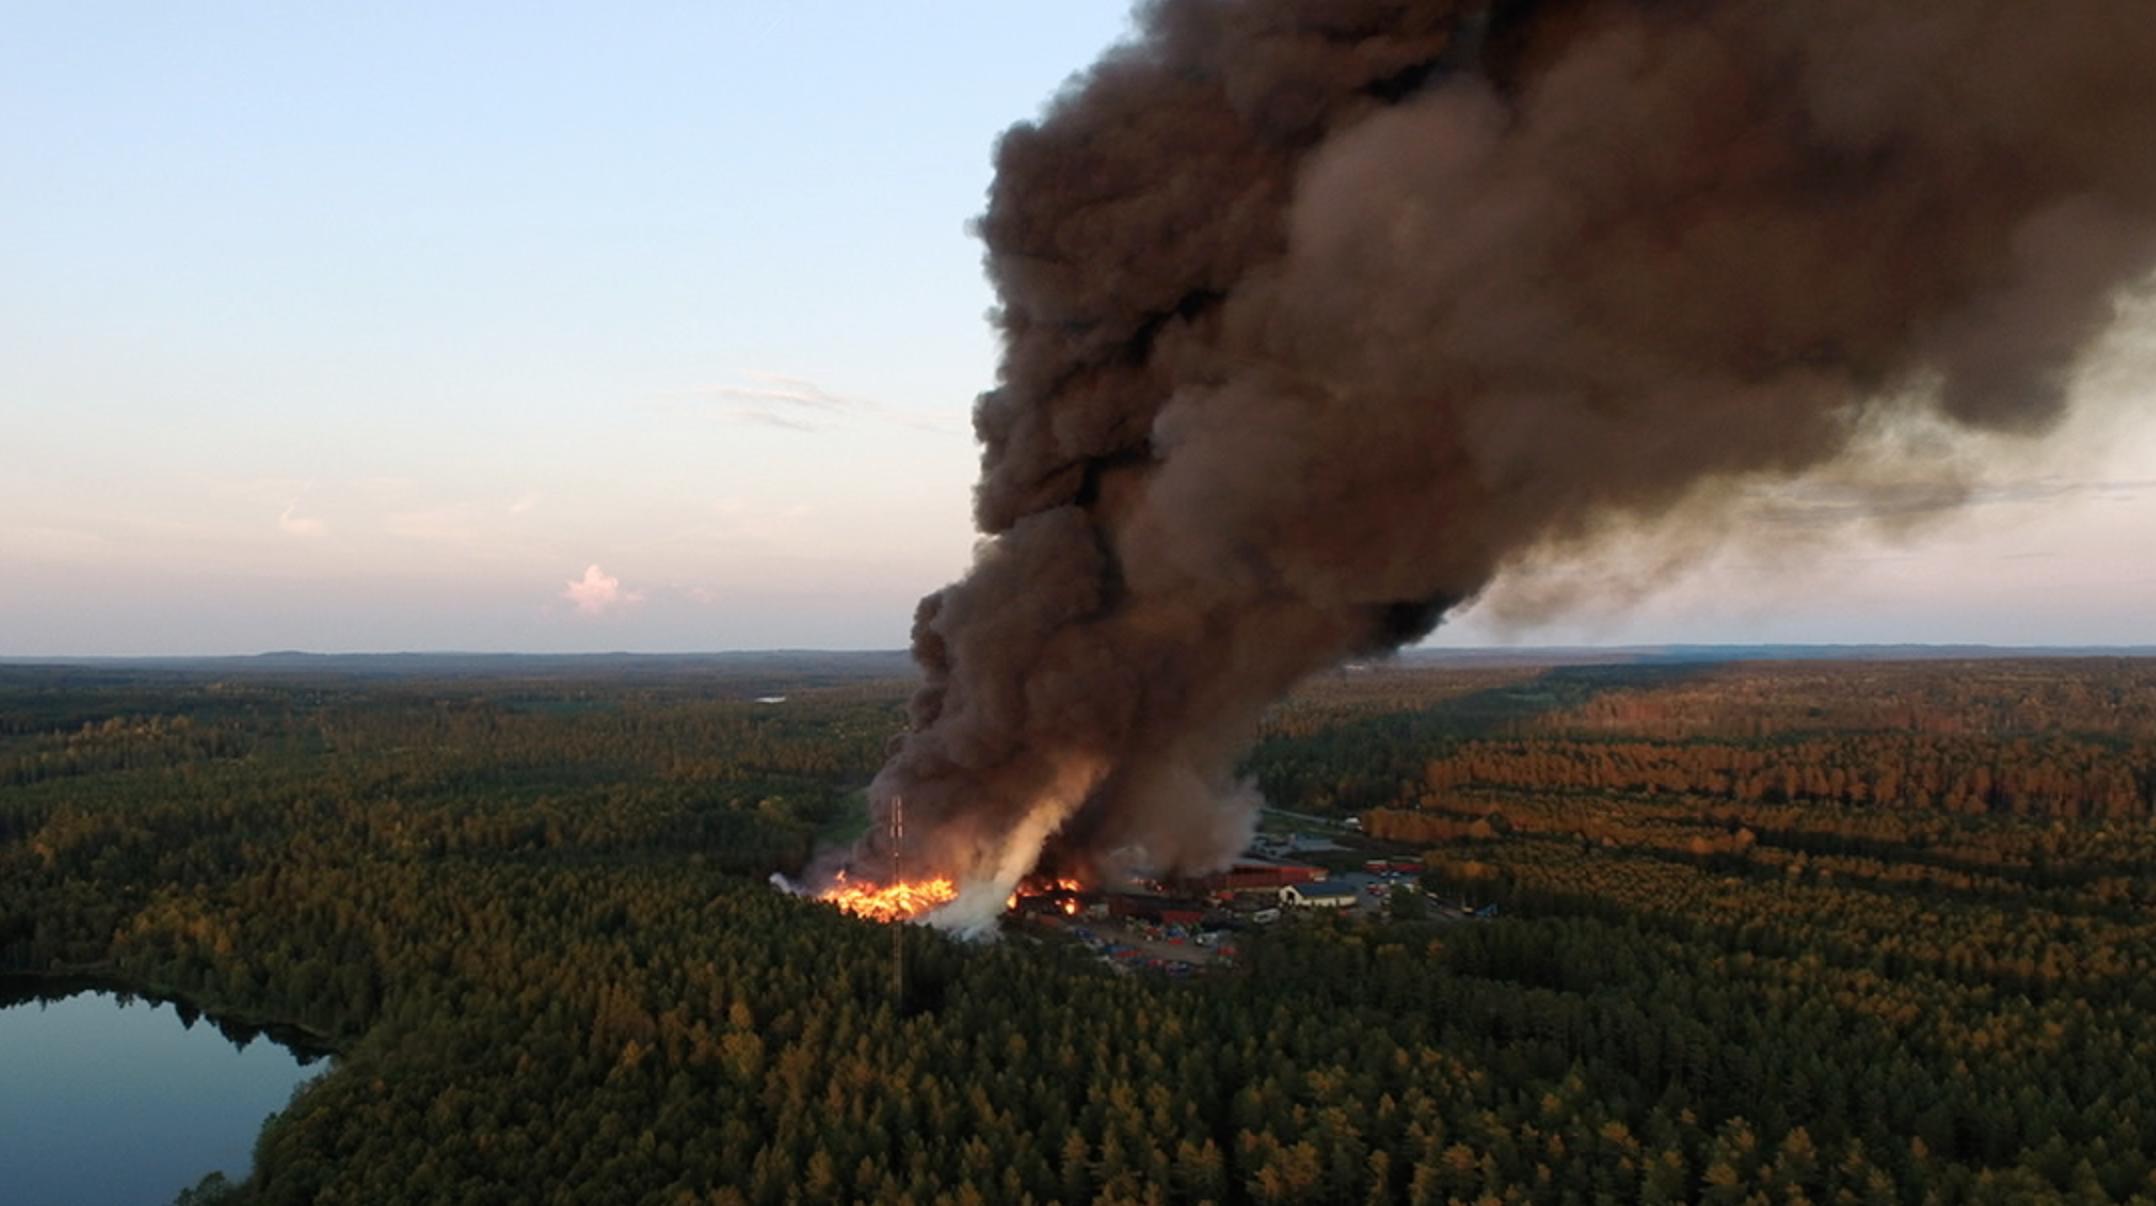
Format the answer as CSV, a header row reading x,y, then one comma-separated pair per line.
x,y
108,1099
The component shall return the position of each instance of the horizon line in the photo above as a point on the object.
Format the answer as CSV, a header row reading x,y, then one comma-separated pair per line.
x,y
2099,648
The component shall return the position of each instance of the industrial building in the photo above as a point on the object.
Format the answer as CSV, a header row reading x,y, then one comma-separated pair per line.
x,y
1254,873
1160,910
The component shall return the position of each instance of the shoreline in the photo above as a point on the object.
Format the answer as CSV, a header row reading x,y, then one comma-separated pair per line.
x,y
19,985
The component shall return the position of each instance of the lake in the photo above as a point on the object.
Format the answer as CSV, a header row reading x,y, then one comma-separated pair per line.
x,y
107,1098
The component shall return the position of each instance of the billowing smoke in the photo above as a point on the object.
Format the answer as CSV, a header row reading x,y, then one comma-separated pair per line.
x,y
1316,313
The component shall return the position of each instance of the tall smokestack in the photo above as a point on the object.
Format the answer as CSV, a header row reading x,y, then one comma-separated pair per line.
x,y
1318,313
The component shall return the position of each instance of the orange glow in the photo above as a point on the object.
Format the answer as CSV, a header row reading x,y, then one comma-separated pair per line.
x,y
901,901
1047,887
1060,892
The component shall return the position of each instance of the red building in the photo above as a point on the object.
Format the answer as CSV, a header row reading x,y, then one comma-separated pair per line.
x,y
1251,873
1161,910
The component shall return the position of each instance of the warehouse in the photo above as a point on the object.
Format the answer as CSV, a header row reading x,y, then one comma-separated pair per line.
x,y
1252,872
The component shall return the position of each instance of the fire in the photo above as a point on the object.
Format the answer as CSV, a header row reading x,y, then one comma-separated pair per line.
x,y
1048,887
902,901
1061,894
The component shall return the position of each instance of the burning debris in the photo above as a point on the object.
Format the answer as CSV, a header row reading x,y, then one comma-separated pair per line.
x,y
899,901
1318,315
919,900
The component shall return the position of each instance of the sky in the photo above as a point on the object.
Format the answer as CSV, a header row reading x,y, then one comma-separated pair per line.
x,y
565,328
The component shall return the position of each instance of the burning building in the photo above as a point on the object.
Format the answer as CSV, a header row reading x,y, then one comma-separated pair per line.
x,y
1317,315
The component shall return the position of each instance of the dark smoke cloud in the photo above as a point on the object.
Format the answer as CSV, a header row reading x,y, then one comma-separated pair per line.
x,y
1316,313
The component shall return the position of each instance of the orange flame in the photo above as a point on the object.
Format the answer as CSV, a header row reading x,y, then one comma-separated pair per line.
x,y
902,901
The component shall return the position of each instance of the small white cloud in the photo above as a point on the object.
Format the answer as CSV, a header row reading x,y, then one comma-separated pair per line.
x,y
798,404
291,523
599,592
524,504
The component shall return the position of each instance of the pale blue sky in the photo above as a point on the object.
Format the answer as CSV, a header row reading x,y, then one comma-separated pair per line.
x,y
378,328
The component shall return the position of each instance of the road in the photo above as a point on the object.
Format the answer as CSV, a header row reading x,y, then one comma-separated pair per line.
x,y
1305,818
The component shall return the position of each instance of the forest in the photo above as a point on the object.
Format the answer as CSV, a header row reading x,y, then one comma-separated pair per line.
x,y
1862,931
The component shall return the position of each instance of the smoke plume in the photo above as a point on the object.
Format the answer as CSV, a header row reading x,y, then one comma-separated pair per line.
x,y
1317,313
